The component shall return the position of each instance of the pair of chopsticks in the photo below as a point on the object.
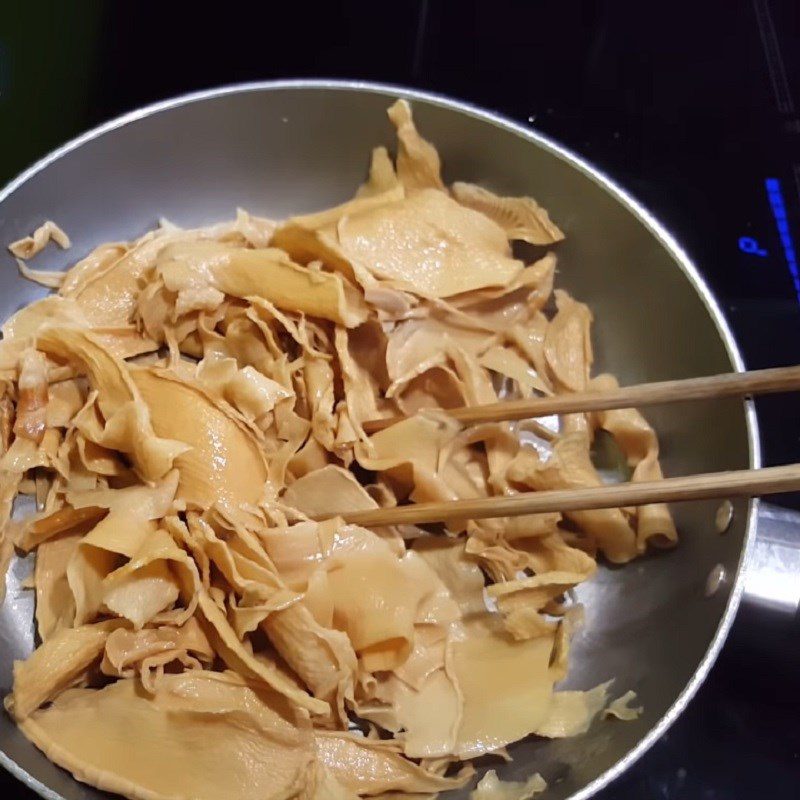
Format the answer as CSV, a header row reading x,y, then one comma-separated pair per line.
x,y
738,483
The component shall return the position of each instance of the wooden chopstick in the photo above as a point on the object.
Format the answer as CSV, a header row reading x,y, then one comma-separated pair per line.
x,y
730,384
738,483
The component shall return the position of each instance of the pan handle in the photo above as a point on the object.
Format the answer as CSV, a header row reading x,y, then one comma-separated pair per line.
x,y
772,579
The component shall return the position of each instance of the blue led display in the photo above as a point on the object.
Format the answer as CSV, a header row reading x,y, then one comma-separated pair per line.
x,y
775,195
750,246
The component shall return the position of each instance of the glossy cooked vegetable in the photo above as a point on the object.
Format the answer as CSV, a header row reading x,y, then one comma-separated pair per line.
x,y
185,401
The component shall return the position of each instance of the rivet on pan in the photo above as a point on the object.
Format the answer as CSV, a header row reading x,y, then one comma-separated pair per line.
x,y
724,516
715,579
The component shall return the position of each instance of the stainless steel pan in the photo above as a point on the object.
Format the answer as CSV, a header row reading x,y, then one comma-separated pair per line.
x,y
288,147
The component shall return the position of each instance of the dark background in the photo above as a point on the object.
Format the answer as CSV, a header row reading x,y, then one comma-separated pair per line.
x,y
691,106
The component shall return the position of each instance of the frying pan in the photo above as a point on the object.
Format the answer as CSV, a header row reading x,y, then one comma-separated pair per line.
x,y
288,147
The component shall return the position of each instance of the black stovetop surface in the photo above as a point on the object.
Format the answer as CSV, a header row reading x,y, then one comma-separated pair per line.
x,y
692,106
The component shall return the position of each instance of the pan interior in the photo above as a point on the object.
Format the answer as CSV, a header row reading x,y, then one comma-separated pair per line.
x,y
279,150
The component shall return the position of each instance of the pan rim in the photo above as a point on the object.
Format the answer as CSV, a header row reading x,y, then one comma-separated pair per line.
x,y
662,235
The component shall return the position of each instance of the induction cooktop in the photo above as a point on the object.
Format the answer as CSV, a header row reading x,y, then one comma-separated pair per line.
x,y
694,107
